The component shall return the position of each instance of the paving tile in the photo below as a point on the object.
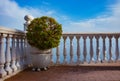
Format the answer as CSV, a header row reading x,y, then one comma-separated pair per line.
x,y
70,73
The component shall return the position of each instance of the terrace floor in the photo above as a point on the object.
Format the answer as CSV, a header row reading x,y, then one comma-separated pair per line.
x,y
71,73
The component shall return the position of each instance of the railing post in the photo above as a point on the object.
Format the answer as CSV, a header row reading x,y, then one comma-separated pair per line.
x,y
110,48
13,56
97,47
58,55
2,57
104,47
64,50
52,62
24,53
91,47
84,47
8,56
18,53
21,53
71,49
117,47
78,49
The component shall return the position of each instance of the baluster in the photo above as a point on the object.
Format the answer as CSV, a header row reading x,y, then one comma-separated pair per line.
x,y
58,55
13,56
21,55
71,49
104,48
18,53
97,47
52,61
84,48
8,55
2,57
117,48
78,49
91,47
25,52
64,50
110,48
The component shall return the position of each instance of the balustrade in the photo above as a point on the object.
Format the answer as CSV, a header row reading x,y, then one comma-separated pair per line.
x,y
82,47
10,51
93,48
77,48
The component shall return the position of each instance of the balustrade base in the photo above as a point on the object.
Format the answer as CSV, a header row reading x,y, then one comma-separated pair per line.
x,y
3,73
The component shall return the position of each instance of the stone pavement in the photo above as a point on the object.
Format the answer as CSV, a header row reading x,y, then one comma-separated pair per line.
x,y
71,73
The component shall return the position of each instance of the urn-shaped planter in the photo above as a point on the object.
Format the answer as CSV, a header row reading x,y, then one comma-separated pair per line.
x,y
43,33
40,58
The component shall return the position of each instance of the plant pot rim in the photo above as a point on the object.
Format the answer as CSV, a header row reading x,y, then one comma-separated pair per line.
x,y
37,51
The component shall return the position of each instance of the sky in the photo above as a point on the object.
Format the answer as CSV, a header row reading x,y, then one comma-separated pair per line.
x,y
74,15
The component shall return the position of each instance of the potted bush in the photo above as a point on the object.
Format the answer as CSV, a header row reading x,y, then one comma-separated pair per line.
x,y
43,34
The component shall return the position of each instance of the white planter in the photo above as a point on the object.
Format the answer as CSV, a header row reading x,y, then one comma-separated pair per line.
x,y
41,60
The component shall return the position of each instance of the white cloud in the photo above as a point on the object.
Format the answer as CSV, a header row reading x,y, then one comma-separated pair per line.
x,y
103,23
12,15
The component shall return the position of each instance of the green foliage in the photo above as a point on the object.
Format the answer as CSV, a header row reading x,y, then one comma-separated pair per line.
x,y
44,33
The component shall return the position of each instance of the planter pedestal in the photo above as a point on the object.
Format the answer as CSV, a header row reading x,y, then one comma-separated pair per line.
x,y
40,61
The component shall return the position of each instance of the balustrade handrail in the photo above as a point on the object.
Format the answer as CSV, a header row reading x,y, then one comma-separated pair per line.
x,y
91,33
11,31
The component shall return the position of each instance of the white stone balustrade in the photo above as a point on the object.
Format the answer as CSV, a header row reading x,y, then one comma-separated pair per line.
x,y
77,48
9,54
89,47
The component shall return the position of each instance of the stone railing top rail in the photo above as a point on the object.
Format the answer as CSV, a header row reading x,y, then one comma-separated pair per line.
x,y
92,34
16,31
6,30
77,33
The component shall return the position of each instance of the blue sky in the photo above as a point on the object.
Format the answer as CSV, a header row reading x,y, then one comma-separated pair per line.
x,y
74,15
75,9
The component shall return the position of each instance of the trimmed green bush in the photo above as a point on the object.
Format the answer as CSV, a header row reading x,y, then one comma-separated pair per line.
x,y
44,33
